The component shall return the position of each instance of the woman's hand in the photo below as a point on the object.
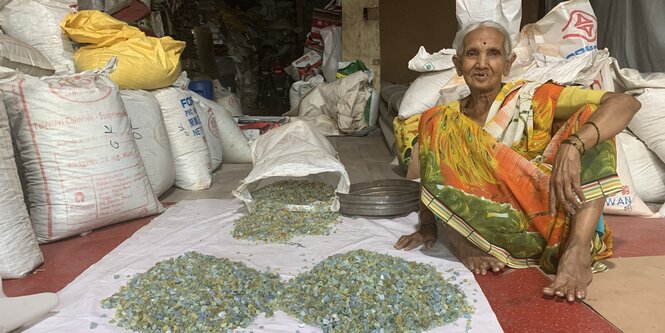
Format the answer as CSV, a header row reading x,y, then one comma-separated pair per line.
x,y
565,188
426,235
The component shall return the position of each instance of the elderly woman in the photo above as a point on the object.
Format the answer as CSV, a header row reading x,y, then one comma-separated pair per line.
x,y
518,172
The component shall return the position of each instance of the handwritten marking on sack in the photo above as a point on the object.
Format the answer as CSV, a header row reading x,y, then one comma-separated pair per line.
x,y
182,129
135,131
192,118
112,143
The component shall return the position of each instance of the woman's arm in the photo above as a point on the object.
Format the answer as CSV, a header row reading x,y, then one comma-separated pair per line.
x,y
426,234
612,116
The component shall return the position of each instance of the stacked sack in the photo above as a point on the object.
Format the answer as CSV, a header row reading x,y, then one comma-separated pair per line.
x,y
36,23
19,253
644,141
87,153
81,170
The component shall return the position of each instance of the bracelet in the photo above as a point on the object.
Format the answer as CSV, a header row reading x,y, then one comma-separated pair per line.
x,y
597,130
574,135
574,144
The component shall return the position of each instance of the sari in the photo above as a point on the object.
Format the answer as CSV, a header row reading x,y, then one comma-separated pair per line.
x,y
491,183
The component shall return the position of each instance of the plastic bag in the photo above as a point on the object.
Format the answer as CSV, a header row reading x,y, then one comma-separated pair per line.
x,y
143,62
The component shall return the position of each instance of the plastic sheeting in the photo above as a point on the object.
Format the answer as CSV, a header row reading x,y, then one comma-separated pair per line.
x,y
205,226
143,62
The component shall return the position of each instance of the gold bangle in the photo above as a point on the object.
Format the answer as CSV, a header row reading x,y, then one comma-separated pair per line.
x,y
597,130
574,144
580,140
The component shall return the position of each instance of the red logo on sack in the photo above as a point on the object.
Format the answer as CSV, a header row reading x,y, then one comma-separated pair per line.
x,y
583,26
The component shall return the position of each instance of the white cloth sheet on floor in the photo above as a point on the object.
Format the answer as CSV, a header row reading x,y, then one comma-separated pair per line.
x,y
206,225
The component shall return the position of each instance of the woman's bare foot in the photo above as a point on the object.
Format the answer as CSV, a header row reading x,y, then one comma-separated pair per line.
x,y
472,257
573,275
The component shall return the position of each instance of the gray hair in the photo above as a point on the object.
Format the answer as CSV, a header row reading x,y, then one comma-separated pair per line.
x,y
458,42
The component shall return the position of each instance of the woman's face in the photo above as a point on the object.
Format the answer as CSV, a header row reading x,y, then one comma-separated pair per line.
x,y
483,61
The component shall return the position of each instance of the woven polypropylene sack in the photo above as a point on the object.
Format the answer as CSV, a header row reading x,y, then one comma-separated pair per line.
x,y
19,252
81,166
20,56
234,143
149,131
212,135
187,137
36,22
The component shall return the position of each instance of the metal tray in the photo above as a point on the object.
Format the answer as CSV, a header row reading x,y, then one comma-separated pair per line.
x,y
387,197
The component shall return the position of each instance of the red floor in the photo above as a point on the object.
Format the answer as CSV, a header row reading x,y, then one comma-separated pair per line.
x,y
514,296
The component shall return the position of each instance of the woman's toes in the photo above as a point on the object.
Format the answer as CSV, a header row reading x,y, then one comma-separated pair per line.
x,y
580,294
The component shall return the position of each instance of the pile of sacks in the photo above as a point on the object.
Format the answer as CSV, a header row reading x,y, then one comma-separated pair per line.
x,y
544,52
83,147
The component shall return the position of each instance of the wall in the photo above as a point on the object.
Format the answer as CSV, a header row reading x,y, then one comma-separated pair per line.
x,y
405,26
360,34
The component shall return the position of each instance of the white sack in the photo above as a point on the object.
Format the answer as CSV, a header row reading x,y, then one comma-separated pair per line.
x,y
212,135
506,12
424,92
186,135
22,57
343,100
455,89
234,143
323,124
228,100
299,89
425,62
294,150
591,70
626,79
332,51
568,30
147,124
649,122
626,202
646,169
37,22
82,167
19,252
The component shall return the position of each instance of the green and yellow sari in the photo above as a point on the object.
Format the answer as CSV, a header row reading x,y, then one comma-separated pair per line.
x,y
491,183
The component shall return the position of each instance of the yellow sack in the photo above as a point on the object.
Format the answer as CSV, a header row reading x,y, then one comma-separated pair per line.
x,y
143,62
